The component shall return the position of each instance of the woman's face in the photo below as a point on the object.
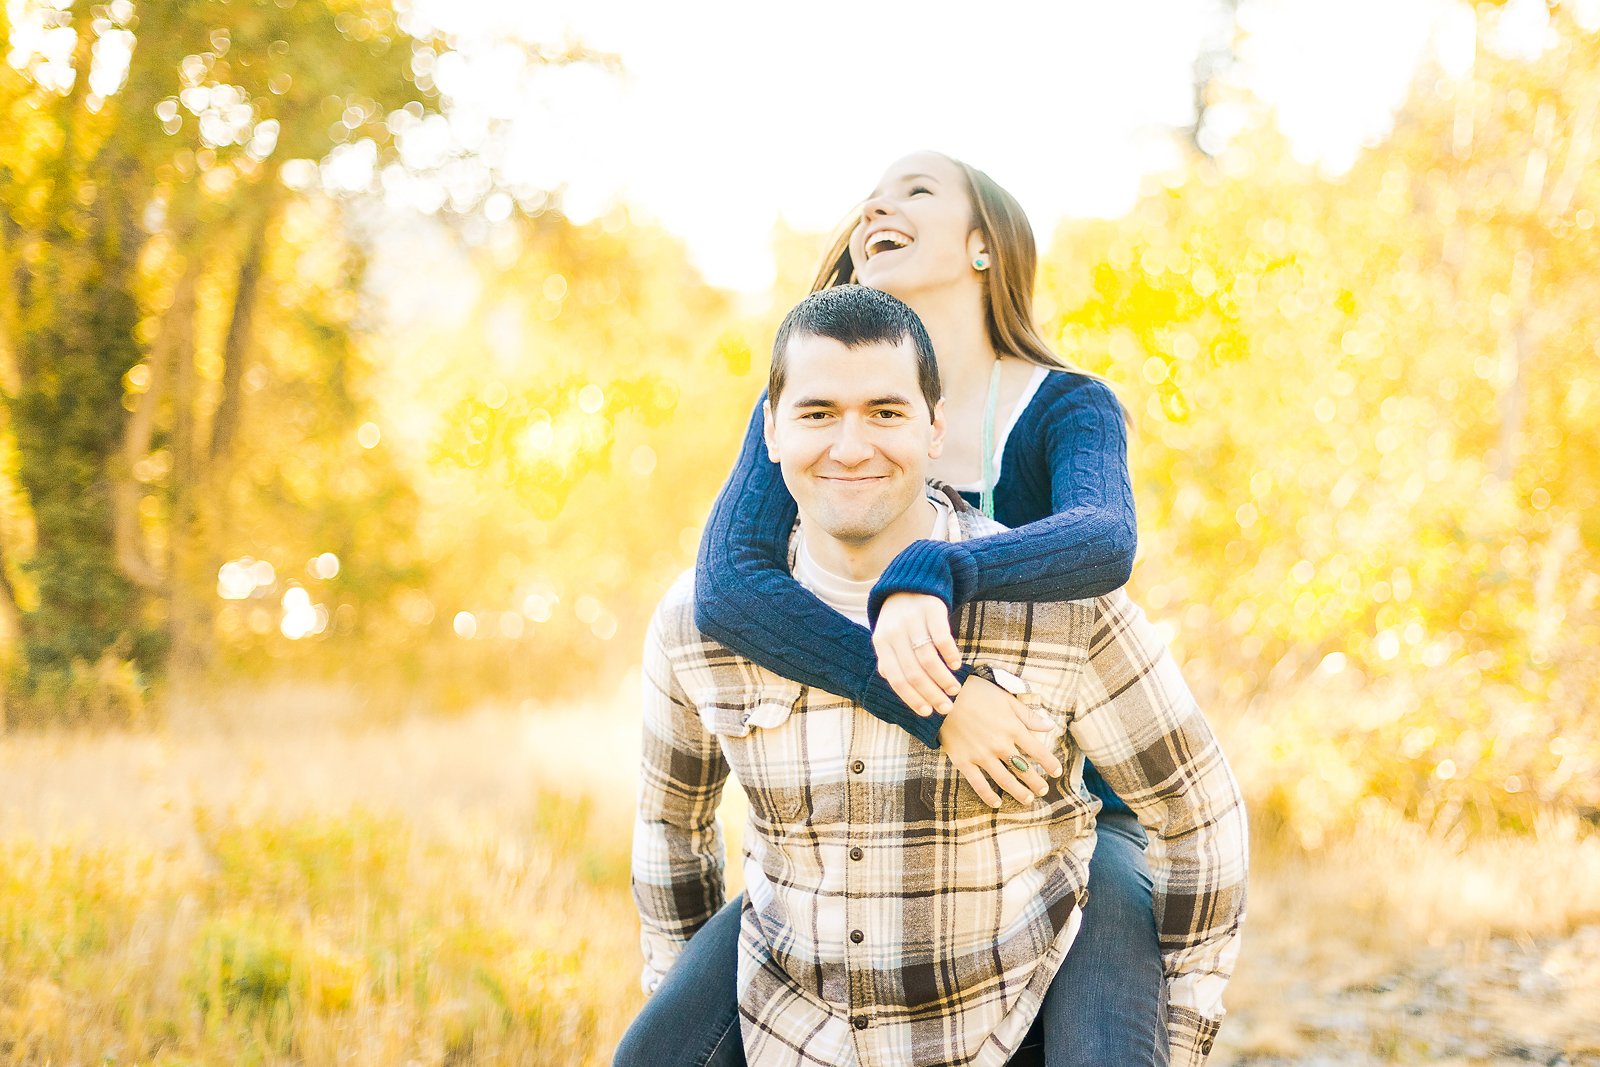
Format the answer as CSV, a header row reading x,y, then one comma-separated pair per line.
x,y
916,233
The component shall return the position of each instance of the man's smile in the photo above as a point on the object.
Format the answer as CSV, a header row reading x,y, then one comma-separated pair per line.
x,y
847,483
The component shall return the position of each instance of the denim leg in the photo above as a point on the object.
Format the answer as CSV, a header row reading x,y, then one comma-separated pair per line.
x,y
1107,1004
692,1019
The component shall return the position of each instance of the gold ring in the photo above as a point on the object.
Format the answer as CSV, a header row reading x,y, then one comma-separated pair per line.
x,y
1020,764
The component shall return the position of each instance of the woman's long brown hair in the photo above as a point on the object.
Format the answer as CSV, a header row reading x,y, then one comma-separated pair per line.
x,y
1008,283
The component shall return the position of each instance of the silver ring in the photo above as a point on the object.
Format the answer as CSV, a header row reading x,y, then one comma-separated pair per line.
x,y
925,641
1020,764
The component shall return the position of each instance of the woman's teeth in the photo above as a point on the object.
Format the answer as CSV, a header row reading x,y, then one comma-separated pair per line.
x,y
886,240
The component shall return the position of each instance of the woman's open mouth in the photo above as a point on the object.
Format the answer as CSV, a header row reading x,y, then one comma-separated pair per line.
x,y
885,241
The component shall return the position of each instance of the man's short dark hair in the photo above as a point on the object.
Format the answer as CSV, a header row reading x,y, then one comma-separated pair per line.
x,y
855,315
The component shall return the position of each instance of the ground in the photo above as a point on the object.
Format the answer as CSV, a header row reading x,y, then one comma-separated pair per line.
x,y
293,876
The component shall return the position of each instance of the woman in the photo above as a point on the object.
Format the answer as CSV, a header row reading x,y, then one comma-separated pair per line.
x,y
1044,451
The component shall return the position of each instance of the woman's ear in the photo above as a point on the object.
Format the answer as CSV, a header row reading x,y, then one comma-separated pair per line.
x,y
978,251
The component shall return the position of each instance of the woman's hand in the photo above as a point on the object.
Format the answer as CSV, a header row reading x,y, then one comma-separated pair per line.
x,y
987,727
920,675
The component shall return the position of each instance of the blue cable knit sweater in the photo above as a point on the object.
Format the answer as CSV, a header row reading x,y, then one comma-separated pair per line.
x,y
1064,489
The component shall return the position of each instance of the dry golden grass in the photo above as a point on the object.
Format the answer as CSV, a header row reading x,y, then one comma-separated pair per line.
x,y
294,882
292,878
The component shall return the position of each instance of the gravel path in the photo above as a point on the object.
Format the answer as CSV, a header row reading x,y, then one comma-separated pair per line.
x,y
1496,1002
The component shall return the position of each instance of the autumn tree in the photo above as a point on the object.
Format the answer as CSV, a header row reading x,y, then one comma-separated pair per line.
x,y
1366,450
143,199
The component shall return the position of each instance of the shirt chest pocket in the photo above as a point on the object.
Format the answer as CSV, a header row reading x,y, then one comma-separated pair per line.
x,y
764,748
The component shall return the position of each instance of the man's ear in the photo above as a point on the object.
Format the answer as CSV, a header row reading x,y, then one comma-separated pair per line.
x,y
936,438
769,430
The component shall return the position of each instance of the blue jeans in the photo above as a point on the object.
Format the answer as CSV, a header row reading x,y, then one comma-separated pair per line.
x,y
1105,1008
692,1019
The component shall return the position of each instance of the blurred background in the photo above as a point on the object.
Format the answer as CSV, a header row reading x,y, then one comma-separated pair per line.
x,y
370,368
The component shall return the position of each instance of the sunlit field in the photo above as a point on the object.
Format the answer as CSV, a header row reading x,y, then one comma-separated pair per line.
x,y
292,876
314,886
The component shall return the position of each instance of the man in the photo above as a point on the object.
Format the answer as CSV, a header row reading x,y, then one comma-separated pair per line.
x,y
891,915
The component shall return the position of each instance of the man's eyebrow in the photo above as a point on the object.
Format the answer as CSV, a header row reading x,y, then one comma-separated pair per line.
x,y
894,400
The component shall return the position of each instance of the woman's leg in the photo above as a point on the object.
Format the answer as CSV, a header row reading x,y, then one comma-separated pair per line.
x,y
692,1020
1107,1004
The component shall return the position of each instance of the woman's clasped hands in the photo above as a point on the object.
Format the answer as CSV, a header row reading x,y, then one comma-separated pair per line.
x,y
985,726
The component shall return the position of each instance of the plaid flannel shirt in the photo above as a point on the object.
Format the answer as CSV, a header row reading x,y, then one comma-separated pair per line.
x,y
891,916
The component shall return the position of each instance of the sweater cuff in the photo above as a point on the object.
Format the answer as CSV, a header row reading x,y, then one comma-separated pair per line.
x,y
881,694
933,568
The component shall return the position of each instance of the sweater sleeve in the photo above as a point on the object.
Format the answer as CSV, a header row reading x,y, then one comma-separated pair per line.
x,y
1083,549
746,598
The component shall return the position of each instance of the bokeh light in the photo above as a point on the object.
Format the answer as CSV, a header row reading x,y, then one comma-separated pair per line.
x,y
301,618
245,577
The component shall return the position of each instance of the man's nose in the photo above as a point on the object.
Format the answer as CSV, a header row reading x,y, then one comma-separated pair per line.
x,y
851,448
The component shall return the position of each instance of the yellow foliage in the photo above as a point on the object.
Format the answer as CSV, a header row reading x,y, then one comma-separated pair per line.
x,y
1366,485
468,461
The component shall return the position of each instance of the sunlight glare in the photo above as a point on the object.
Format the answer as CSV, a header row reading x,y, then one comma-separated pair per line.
x,y
301,618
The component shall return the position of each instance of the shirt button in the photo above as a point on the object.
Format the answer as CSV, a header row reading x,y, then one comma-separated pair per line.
x,y
857,936
856,853
859,1022
858,767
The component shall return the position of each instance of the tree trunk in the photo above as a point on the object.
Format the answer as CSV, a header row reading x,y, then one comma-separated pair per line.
x,y
184,655
236,350
75,342
1513,399
175,340
1213,59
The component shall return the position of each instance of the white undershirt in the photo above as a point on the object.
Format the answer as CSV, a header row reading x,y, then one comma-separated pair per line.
x,y
845,595
1039,375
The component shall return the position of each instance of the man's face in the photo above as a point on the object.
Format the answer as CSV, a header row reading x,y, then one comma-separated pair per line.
x,y
853,434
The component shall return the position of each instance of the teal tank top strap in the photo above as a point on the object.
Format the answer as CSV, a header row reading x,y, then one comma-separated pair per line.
x,y
986,500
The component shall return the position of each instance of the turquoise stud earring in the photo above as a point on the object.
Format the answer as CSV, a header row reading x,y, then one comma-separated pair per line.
x,y
980,263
